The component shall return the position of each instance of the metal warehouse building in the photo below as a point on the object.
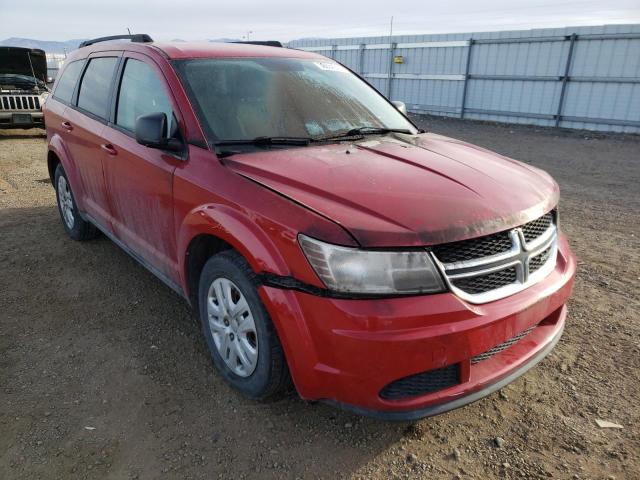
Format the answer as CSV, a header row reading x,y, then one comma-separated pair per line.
x,y
574,77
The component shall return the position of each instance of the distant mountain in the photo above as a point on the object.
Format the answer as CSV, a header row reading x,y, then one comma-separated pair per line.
x,y
224,40
46,45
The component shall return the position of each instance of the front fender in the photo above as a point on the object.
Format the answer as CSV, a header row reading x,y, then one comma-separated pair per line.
x,y
247,236
235,228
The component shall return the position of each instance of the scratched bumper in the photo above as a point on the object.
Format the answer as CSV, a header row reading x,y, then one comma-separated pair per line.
x,y
346,351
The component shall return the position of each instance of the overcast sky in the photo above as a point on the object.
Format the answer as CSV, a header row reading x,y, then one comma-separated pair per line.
x,y
290,19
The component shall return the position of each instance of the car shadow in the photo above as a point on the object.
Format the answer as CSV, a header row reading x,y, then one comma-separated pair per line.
x,y
128,350
19,134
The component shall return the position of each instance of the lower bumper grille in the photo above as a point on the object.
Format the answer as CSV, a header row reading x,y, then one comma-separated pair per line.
x,y
422,383
441,378
502,347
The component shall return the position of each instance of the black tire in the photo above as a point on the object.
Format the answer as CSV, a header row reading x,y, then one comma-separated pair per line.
x,y
270,379
78,228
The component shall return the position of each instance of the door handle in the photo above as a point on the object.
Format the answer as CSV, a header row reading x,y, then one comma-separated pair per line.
x,y
107,147
67,126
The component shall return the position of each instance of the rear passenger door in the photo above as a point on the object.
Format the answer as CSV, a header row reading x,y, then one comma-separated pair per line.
x,y
139,179
85,123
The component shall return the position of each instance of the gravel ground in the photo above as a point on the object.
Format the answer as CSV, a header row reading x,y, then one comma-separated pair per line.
x,y
103,373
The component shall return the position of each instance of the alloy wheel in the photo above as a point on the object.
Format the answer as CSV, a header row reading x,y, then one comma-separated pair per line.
x,y
66,202
232,327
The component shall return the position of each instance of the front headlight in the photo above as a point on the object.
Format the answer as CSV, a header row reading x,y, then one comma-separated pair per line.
x,y
345,269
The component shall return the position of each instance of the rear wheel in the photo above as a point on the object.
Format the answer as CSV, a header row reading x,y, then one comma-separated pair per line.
x,y
244,345
75,226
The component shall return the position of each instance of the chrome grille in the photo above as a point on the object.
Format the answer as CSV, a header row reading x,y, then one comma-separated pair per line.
x,y
537,262
503,346
495,266
20,102
484,283
475,248
533,230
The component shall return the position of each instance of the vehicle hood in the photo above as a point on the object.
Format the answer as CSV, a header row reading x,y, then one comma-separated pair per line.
x,y
16,62
405,190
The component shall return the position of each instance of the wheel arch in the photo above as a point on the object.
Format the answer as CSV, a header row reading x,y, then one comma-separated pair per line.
x,y
210,229
202,247
57,154
52,163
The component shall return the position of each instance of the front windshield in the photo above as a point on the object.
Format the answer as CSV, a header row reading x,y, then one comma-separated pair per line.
x,y
242,99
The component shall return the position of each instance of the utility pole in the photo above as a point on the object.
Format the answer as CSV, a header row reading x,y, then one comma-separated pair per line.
x,y
249,35
392,47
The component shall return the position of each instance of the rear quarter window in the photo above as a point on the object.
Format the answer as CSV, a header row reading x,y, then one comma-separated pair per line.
x,y
96,86
67,82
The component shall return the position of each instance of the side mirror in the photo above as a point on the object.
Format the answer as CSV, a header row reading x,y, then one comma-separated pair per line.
x,y
151,131
402,108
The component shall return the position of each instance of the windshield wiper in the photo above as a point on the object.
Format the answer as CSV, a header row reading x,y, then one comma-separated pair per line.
x,y
267,141
258,141
354,133
362,131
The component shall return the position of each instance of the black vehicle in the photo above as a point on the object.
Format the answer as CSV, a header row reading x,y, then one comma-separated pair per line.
x,y
23,87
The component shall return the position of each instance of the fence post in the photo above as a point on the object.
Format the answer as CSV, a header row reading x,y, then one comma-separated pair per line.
x,y
361,59
466,79
392,51
333,51
565,78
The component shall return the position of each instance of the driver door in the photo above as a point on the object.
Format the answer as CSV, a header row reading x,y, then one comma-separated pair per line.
x,y
139,179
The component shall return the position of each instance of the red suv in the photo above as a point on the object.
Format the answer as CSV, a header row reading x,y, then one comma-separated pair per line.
x,y
321,235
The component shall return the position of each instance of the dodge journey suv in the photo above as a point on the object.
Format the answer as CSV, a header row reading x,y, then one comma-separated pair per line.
x,y
323,238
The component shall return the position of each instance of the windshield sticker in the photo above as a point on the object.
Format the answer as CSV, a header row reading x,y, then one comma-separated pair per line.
x,y
330,66
335,125
313,128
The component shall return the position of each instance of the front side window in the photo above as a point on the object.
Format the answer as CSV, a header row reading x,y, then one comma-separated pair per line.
x,y
95,86
67,82
245,98
141,92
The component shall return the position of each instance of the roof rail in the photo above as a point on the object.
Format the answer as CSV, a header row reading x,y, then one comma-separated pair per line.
x,y
266,43
138,37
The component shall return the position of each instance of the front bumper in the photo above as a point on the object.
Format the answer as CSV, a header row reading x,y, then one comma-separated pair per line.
x,y
346,351
21,119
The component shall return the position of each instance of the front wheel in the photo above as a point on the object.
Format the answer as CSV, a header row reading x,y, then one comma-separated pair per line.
x,y
75,226
244,345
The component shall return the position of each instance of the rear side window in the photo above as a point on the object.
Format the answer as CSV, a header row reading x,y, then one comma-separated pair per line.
x,y
95,86
67,82
141,92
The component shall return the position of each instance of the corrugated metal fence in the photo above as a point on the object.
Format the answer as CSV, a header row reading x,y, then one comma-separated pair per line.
x,y
54,63
574,77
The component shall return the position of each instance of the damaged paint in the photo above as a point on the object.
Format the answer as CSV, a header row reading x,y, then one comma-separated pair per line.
x,y
404,190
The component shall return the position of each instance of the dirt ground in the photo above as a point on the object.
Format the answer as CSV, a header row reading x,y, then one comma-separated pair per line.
x,y
104,374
